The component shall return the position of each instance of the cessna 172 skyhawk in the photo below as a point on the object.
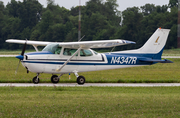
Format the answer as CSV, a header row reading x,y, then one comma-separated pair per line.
x,y
73,57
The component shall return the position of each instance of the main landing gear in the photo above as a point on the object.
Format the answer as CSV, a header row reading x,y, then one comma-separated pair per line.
x,y
55,79
80,79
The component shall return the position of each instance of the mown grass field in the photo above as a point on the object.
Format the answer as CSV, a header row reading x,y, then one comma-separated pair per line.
x,y
159,73
93,102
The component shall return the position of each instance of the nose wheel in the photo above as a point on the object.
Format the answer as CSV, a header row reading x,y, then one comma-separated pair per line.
x,y
36,80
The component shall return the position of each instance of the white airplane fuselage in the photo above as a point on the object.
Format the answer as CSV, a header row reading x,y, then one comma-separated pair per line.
x,y
45,62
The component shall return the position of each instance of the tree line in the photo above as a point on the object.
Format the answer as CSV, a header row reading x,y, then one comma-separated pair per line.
x,y
100,20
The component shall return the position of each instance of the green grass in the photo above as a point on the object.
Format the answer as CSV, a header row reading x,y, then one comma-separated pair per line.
x,y
158,73
171,52
13,52
81,102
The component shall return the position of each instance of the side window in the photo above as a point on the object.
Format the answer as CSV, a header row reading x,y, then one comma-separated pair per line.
x,y
69,52
85,53
58,50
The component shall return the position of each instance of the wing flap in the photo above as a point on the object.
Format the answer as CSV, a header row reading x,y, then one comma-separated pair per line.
x,y
96,44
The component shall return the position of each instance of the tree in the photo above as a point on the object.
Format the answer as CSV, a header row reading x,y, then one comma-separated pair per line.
x,y
100,20
148,9
173,3
1,22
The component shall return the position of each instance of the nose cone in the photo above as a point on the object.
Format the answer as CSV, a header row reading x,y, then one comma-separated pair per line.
x,y
20,57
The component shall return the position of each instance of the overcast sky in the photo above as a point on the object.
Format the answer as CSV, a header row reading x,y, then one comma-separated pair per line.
x,y
123,4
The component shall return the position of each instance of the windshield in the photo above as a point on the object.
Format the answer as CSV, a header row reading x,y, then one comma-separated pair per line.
x,y
84,52
51,47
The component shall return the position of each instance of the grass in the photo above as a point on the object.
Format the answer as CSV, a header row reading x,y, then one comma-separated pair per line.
x,y
76,102
158,73
171,52
13,52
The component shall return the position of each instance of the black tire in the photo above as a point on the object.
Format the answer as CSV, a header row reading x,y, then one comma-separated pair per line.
x,y
81,80
36,80
54,79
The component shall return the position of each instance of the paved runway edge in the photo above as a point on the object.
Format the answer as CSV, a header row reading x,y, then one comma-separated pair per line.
x,y
91,84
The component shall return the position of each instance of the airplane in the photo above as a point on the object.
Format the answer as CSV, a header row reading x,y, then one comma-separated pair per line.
x,y
74,57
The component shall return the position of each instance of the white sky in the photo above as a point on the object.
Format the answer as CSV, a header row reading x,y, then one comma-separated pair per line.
x,y
123,4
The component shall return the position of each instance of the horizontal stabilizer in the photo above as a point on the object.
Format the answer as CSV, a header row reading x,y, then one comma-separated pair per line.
x,y
156,60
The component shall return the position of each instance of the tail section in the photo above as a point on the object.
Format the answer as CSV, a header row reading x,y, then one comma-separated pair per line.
x,y
156,42
153,48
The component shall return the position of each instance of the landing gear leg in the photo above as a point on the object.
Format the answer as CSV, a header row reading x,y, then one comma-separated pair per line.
x,y
36,79
80,79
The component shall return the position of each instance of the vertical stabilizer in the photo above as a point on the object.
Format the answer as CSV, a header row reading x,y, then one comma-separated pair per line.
x,y
156,42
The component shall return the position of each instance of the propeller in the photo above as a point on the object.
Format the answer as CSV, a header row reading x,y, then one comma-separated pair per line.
x,y
21,57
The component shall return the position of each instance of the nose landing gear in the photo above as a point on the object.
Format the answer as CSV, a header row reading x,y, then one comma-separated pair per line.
x,y
36,79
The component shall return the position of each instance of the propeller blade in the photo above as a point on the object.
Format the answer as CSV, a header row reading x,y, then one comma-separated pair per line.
x,y
17,67
24,48
21,57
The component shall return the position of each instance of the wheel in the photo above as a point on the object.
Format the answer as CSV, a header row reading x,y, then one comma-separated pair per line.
x,y
36,80
55,79
81,80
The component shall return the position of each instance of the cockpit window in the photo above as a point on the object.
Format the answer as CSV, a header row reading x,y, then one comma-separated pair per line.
x,y
69,51
58,50
51,47
84,52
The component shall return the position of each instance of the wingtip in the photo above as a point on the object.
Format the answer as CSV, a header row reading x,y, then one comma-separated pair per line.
x,y
131,42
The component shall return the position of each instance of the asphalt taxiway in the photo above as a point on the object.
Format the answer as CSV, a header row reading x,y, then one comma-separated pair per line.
x,y
91,84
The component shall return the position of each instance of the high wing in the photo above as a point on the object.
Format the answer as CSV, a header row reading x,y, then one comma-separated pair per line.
x,y
82,44
96,44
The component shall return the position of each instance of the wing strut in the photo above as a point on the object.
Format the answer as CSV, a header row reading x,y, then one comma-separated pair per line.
x,y
35,47
59,69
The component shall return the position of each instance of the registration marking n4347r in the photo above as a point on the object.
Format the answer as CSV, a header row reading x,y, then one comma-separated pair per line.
x,y
124,60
